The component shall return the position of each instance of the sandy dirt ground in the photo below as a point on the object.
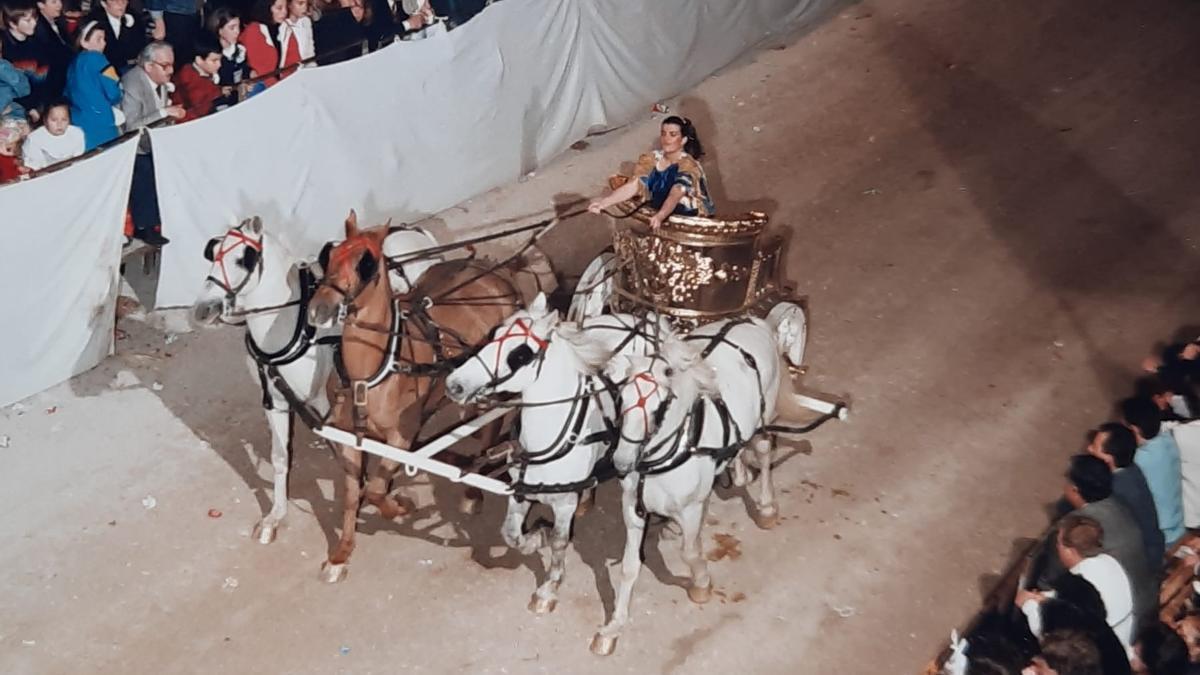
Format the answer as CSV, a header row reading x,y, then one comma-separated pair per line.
x,y
991,209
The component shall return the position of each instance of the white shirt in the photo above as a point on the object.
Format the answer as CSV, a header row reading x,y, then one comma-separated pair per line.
x,y
1105,573
300,30
42,148
115,23
1109,579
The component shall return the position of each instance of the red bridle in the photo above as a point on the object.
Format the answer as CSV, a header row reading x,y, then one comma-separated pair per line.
x,y
239,239
518,329
643,397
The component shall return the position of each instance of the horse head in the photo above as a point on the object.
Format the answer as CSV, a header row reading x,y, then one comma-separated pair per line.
x,y
236,269
350,267
652,392
503,364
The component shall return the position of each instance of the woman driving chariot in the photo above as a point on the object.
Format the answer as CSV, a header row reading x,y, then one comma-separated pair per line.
x,y
669,180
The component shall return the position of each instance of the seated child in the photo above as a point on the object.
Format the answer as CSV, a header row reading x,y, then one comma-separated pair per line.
x,y
196,87
11,168
56,140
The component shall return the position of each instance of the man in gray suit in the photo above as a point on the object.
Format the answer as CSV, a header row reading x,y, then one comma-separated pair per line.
x,y
147,99
1089,490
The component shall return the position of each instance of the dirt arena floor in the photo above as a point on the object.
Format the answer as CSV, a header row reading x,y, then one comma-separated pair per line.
x,y
992,210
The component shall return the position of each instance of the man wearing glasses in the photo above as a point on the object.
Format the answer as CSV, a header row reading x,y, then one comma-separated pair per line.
x,y
147,99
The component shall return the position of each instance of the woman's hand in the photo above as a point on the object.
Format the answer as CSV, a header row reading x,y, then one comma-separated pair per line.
x,y
596,207
656,220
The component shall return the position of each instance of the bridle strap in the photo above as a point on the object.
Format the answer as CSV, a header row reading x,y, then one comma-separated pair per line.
x,y
240,239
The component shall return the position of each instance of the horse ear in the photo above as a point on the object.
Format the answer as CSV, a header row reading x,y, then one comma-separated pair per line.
x,y
618,367
256,225
368,267
210,249
323,258
351,224
250,260
537,308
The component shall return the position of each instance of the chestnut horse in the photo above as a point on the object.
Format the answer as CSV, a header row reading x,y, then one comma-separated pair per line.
x,y
396,351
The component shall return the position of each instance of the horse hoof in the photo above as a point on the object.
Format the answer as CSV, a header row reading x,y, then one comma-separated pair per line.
x,y
604,645
264,532
766,519
470,506
539,605
332,573
700,594
392,508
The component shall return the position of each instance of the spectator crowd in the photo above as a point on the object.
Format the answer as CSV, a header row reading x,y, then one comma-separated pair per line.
x,y
73,78
1109,591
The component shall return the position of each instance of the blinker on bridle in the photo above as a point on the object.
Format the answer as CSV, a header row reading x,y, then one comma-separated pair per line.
x,y
218,254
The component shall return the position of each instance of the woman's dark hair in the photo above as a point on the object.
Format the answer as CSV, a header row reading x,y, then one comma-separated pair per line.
x,y
223,15
86,31
260,12
691,143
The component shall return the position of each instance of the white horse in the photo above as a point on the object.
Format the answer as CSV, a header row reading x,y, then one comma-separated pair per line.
x,y
567,416
685,414
255,278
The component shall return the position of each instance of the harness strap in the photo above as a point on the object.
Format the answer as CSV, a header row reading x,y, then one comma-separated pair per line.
x,y
268,402
302,335
603,469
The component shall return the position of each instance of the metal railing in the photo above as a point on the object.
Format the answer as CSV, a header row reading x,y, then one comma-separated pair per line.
x,y
240,88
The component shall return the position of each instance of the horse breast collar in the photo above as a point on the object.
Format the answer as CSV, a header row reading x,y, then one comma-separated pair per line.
x,y
302,335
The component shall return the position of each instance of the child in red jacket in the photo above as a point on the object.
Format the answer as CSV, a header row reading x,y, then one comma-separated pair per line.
x,y
196,84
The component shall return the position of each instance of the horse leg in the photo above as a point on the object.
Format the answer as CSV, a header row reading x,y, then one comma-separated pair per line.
x,y
513,530
691,519
766,514
472,499
586,499
546,596
740,473
280,422
605,641
380,481
335,568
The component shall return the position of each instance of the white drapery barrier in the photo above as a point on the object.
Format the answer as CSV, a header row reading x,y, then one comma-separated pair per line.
x,y
61,241
421,126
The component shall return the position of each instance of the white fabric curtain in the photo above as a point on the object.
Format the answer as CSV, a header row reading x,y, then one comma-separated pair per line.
x,y
421,126
61,245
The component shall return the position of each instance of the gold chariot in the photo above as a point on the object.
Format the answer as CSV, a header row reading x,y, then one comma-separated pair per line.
x,y
695,269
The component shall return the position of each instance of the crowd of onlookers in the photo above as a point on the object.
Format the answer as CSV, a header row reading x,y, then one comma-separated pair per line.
x,y
1088,602
75,77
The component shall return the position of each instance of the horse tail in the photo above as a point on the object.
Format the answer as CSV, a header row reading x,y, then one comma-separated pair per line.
x,y
532,273
790,325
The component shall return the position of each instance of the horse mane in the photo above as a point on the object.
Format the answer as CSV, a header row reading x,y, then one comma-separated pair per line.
x,y
270,239
691,371
589,354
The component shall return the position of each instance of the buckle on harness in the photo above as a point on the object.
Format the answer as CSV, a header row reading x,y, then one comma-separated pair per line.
x,y
360,392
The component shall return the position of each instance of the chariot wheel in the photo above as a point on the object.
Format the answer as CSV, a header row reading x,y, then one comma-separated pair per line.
x,y
593,295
